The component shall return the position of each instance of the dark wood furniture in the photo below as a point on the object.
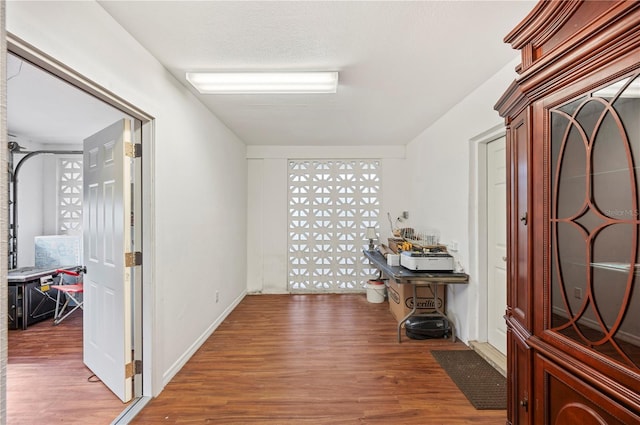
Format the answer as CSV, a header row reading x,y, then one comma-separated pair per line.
x,y
28,303
573,154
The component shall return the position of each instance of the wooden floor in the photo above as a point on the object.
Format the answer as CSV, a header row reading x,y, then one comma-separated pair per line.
x,y
47,382
313,359
277,359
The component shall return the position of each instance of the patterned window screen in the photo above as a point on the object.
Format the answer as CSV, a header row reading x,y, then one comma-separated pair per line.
x,y
331,203
69,196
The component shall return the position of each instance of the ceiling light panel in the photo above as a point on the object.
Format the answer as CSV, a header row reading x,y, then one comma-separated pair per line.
x,y
263,82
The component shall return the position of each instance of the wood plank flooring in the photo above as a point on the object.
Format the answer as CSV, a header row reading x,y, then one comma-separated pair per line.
x,y
47,382
277,359
313,359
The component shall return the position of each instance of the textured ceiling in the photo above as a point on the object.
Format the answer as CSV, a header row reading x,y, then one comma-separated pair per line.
x,y
402,64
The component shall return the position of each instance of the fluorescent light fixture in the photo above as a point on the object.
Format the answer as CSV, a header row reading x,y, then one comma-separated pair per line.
x,y
263,82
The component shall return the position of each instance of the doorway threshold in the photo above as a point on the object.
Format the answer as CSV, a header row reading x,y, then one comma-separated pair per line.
x,y
131,411
494,357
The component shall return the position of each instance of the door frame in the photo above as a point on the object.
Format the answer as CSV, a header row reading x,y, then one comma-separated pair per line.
x,y
144,294
477,221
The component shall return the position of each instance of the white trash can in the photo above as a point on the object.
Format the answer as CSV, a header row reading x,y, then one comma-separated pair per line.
x,y
376,291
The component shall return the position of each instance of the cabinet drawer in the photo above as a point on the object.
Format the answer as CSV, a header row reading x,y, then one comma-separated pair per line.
x,y
562,398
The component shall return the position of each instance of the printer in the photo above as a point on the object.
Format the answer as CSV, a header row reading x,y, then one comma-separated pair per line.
x,y
440,261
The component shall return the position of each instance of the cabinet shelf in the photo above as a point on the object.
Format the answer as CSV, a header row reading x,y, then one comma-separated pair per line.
x,y
617,266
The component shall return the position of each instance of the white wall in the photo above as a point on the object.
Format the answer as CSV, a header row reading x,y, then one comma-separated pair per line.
x,y
267,222
436,180
444,190
199,178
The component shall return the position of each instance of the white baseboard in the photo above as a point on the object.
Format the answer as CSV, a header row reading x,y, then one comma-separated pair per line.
x,y
276,292
175,368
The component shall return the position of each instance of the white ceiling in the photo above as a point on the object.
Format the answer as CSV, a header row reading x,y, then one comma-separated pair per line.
x,y
402,64
46,110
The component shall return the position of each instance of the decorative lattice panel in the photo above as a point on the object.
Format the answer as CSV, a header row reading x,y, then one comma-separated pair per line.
x,y
331,203
69,196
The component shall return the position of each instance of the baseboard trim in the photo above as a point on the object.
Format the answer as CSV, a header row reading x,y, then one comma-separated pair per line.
x,y
175,368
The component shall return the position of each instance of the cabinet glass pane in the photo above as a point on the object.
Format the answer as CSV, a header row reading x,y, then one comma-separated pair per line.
x,y
595,220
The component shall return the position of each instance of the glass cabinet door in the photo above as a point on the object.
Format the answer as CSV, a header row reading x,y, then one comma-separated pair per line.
x,y
594,221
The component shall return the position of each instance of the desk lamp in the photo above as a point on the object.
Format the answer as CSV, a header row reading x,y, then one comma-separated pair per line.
x,y
371,235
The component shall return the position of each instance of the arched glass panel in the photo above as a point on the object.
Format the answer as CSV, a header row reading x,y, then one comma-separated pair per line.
x,y
595,221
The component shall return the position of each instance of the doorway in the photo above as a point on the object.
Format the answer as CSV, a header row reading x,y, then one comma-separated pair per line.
x,y
29,57
496,244
488,157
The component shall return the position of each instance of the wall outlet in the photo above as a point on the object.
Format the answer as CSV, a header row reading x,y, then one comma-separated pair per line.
x,y
577,292
217,296
405,214
453,246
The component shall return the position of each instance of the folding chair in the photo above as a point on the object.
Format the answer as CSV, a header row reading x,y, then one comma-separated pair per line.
x,y
46,305
70,292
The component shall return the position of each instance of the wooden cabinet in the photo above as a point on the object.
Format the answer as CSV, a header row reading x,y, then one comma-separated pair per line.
x,y
519,384
573,184
518,294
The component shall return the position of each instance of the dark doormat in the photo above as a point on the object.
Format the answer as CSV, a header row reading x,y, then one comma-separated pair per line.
x,y
483,386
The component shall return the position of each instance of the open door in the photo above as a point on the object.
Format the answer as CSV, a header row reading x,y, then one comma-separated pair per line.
x,y
108,281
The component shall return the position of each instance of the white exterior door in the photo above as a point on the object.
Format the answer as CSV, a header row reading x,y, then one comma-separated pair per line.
x,y
497,244
107,237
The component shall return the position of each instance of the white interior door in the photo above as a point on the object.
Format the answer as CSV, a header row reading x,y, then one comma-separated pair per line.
x,y
497,244
107,237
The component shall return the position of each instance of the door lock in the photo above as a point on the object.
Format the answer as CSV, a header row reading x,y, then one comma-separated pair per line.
x,y
524,218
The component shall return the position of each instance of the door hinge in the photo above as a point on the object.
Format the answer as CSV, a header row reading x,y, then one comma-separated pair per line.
x,y
133,368
132,259
133,150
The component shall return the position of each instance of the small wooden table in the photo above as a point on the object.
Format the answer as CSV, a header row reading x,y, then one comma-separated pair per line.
x,y
404,276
